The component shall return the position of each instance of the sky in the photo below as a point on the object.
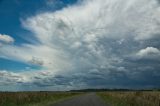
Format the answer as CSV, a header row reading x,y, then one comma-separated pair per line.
x,y
79,44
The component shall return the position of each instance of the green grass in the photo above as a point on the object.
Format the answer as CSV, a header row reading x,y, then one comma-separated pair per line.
x,y
33,98
131,98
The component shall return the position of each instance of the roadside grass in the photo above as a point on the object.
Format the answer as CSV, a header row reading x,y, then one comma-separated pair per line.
x,y
33,98
131,98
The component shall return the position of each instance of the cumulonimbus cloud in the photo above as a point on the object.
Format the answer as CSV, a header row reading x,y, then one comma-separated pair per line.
x,y
91,35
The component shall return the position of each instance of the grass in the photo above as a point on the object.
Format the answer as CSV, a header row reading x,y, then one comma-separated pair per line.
x,y
131,98
33,98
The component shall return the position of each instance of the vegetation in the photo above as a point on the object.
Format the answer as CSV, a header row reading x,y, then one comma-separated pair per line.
x,y
115,98
32,98
105,89
131,98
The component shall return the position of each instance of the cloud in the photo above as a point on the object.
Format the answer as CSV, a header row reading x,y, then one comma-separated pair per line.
x,y
149,52
36,61
8,78
91,44
42,55
6,39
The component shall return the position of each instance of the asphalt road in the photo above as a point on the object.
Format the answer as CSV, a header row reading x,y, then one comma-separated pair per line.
x,y
90,99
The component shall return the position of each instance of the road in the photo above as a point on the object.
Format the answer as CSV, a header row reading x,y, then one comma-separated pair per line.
x,y
90,99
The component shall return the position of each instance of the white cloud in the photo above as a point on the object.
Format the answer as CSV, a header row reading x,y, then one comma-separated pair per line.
x,y
49,58
7,78
149,52
25,77
93,34
76,31
36,61
6,39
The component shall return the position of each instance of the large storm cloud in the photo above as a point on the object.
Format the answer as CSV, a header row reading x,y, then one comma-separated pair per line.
x,y
94,43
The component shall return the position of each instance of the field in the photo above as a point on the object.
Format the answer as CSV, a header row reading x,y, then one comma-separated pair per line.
x,y
32,98
113,98
131,98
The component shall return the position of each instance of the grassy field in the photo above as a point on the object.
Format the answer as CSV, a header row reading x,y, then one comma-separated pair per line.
x,y
32,98
131,98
